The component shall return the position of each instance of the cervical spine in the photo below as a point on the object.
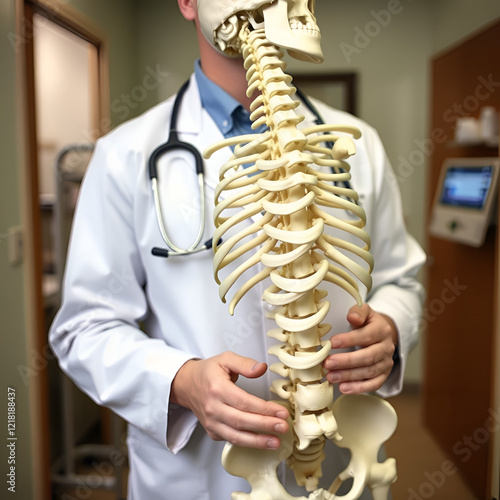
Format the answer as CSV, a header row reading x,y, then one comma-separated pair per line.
x,y
288,181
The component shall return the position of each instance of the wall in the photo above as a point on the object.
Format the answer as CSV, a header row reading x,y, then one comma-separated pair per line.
x,y
167,42
456,76
13,338
453,20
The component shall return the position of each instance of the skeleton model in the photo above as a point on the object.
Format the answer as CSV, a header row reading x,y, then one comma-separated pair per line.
x,y
287,176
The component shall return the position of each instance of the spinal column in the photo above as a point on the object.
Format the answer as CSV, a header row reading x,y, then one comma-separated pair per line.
x,y
288,183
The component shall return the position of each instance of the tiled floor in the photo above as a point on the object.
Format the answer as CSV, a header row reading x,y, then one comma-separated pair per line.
x,y
419,462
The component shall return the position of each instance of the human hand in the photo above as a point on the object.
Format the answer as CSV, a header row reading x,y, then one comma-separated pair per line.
x,y
366,369
228,413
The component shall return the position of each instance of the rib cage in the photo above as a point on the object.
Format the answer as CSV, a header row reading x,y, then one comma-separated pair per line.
x,y
290,178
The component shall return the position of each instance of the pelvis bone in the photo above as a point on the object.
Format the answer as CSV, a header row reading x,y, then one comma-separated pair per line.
x,y
365,423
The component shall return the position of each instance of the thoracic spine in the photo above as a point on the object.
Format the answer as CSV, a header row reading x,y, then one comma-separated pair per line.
x,y
286,185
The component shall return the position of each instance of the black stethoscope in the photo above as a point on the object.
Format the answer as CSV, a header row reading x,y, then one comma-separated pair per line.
x,y
173,143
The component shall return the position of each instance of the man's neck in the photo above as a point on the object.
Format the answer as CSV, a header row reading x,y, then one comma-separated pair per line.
x,y
228,73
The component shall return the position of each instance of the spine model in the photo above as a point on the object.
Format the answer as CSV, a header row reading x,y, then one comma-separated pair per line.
x,y
283,178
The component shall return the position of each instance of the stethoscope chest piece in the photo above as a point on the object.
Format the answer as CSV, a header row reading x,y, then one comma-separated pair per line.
x,y
174,144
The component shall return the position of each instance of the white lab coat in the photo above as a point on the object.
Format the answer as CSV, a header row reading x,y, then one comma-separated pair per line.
x,y
129,320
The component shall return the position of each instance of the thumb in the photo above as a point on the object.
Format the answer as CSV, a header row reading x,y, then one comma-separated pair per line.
x,y
357,316
248,367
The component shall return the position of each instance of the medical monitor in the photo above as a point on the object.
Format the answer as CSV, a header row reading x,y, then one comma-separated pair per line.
x,y
464,200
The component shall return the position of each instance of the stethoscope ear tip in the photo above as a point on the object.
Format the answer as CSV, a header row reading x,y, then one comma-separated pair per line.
x,y
160,252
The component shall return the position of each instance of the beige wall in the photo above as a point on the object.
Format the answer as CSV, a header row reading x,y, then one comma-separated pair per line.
x,y
13,338
455,19
167,42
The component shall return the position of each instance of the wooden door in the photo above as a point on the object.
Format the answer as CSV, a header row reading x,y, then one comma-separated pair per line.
x,y
462,301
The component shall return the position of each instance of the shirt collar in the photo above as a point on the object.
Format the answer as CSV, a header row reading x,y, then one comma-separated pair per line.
x,y
218,103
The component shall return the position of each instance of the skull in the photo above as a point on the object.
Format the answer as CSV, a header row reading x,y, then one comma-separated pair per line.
x,y
288,23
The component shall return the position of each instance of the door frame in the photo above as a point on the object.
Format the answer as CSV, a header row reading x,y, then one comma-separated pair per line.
x,y
69,18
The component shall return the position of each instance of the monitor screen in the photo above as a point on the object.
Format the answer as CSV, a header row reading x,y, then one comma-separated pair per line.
x,y
466,187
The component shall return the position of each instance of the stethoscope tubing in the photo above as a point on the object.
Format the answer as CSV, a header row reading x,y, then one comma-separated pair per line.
x,y
173,143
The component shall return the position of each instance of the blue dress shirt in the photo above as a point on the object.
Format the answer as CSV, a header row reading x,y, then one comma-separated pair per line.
x,y
229,114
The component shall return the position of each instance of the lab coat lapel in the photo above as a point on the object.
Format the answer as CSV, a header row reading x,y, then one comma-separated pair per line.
x,y
198,128
189,121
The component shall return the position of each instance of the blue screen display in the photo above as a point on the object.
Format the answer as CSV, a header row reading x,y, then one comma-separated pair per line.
x,y
467,186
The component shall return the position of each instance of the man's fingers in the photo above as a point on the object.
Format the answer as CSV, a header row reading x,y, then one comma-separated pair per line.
x,y
246,420
226,411
363,386
355,359
362,337
242,401
364,373
357,316
365,369
251,422
240,365
245,439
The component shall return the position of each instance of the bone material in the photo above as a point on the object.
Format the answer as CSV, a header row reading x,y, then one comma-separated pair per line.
x,y
288,23
294,245
365,423
258,467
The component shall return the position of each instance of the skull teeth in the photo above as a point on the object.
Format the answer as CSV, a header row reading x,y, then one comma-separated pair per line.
x,y
308,28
